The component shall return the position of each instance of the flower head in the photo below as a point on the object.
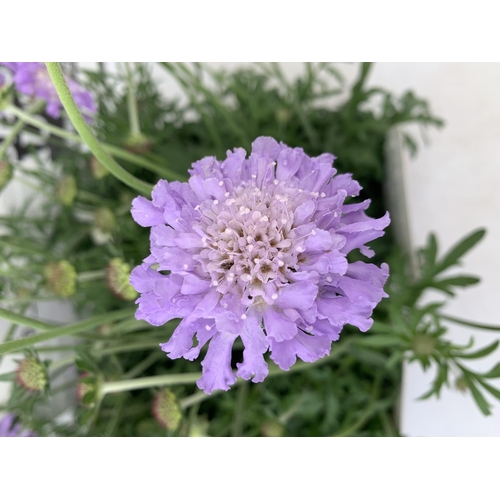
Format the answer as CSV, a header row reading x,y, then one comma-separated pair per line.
x,y
8,429
117,279
166,410
32,79
256,248
61,278
66,190
31,374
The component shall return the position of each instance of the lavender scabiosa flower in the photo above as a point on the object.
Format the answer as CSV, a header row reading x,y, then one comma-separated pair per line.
x,y
8,429
32,79
256,248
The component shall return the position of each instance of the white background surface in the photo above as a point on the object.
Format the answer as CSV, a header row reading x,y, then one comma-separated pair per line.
x,y
453,188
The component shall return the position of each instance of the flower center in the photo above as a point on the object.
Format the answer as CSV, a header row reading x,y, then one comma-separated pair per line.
x,y
251,243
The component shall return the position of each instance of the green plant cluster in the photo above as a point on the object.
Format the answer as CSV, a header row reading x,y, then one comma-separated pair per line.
x,y
75,239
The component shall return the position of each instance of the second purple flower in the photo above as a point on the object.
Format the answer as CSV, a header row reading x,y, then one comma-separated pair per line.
x,y
33,80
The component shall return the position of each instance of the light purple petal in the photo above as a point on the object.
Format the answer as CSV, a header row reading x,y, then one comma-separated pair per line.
x,y
278,326
145,213
217,372
256,344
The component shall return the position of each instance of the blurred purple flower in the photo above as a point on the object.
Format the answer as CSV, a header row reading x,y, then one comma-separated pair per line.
x,y
32,79
7,429
256,248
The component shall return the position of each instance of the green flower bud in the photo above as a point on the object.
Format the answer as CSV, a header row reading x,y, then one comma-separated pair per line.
x,y
60,278
282,115
105,329
423,345
461,384
104,220
66,190
88,390
272,428
97,169
138,144
117,278
5,173
199,428
31,374
166,410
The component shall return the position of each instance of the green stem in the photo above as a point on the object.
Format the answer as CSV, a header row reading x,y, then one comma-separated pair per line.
x,y
20,319
91,276
133,114
16,129
239,411
87,135
113,150
12,330
192,400
144,364
137,346
54,332
288,414
145,382
464,322
189,378
88,197
373,408
62,363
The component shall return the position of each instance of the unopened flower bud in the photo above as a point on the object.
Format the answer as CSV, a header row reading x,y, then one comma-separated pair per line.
x,y
60,278
5,173
199,428
282,115
104,220
66,190
88,389
97,169
272,428
117,278
461,384
166,410
138,144
423,345
31,374
105,329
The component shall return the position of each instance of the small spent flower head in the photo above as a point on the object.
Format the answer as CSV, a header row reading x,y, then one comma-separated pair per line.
x,y
423,345
89,389
31,374
138,144
105,330
199,428
257,248
461,384
104,220
66,190
272,428
60,278
97,169
83,388
5,173
166,410
117,279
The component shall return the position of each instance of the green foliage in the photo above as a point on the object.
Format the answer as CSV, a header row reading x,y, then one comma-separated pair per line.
x,y
355,390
